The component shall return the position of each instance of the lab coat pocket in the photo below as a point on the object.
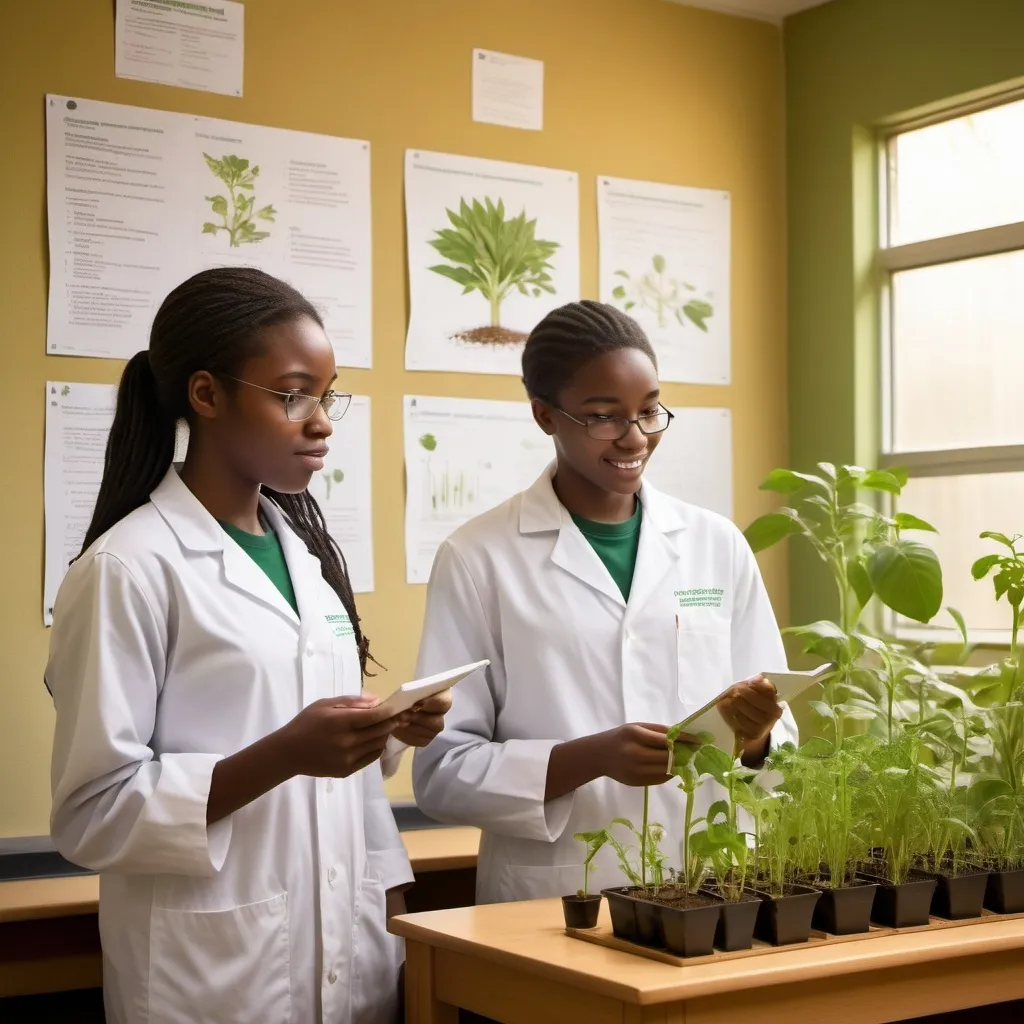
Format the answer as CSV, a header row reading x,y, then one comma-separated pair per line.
x,y
229,966
703,663
536,882
377,956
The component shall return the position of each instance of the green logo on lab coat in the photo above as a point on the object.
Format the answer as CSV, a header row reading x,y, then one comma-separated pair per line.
x,y
700,597
341,625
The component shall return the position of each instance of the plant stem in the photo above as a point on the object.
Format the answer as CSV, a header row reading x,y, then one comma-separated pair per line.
x,y
643,838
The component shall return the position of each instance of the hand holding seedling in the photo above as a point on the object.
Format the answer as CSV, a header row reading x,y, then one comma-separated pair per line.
x,y
751,708
424,720
337,736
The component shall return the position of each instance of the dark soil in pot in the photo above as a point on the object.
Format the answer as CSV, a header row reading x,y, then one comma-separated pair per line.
x,y
581,911
1004,893
784,920
689,926
844,909
735,928
907,905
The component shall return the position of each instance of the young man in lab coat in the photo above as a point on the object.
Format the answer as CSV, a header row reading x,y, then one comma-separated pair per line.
x,y
608,611
215,758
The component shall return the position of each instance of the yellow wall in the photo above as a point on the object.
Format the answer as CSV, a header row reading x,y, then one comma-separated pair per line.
x,y
633,88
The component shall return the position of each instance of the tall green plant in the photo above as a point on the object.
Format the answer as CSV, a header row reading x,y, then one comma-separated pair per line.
x,y
494,255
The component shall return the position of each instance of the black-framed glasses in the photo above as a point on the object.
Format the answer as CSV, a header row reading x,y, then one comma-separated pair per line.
x,y
615,428
300,407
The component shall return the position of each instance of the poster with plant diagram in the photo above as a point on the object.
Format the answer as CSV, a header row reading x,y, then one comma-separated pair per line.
x,y
463,456
342,489
664,259
493,247
138,200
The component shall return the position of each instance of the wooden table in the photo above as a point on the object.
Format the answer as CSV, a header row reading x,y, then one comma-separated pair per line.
x,y
48,932
514,963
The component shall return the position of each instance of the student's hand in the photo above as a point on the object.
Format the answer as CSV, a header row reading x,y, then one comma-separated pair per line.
x,y
635,754
751,708
336,737
425,720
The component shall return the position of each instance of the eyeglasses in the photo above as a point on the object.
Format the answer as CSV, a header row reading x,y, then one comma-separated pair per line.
x,y
615,428
301,407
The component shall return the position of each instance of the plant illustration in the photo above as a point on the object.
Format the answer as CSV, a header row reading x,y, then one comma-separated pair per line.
x,y
493,254
334,476
663,295
428,442
237,210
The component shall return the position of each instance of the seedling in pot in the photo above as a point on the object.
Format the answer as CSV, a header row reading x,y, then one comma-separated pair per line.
x,y
581,909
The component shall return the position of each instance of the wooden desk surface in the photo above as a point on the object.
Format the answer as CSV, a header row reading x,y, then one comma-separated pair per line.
x,y
530,938
439,849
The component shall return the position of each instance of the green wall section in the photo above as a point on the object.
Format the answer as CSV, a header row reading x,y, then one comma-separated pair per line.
x,y
851,65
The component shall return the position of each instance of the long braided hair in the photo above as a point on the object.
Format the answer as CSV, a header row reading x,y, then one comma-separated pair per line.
x,y
572,335
210,322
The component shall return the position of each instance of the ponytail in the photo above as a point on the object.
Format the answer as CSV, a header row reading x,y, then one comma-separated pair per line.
x,y
139,452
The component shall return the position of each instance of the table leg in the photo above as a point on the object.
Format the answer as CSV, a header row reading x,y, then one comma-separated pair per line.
x,y
421,1003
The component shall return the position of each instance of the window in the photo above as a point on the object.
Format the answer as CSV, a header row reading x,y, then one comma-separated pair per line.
x,y
952,251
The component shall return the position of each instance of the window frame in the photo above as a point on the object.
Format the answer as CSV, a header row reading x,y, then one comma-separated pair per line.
x,y
890,260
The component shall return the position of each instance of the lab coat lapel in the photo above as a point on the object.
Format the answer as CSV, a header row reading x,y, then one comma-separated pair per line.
x,y
305,570
542,512
199,532
657,554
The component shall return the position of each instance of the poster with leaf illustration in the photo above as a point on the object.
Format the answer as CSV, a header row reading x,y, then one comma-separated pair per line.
x,y
177,194
493,247
664,259
463,456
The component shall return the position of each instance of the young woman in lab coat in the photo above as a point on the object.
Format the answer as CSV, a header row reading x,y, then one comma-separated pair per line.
x,y
215,758
609,611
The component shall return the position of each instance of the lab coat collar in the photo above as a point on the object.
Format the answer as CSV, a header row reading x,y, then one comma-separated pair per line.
x,y
199,532
541,512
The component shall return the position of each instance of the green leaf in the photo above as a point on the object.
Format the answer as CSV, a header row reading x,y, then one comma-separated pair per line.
x,y
983,566
905,521
900,474
267,212
659,264
999,538
429,442
210,229
769,529
621,273
960,624
788,481
218,204
823,709
859,580
697,312
881,480
618,292
713,761
907,578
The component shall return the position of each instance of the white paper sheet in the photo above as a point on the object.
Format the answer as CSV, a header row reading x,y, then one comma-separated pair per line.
x,y
508,90
343,492
664,258
191,45
463,456
693,460
78,419
138,200
484,331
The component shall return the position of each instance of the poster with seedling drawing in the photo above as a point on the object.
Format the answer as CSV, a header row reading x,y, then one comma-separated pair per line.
x,y
463,456
493,247
342,490
138,200
664,259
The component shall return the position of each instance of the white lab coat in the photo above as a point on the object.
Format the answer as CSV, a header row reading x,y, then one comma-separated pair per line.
x,y
171,649
522,586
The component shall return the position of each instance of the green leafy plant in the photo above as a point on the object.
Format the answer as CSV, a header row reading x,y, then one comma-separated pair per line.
x,y
688,777
648,869
493,254
237,210
1007,573
663,295
595,841
335,476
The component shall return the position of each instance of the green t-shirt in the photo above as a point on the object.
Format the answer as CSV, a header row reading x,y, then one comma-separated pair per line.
x,y
616,545
266,552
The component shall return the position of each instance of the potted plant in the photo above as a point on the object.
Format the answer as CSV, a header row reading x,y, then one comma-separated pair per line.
x,y
580,909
